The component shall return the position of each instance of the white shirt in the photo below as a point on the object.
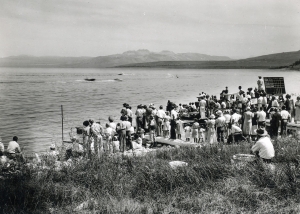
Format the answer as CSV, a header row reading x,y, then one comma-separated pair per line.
x,y
265,148
235,129
235,117
285,114
202,103
261,116
108,131
161,113
220,122
259,100
227,117
174,114
129,112
264,101
275,103
13,147
96,128
1,147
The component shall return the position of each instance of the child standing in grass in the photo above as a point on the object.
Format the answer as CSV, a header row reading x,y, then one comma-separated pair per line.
x,y
108,134
179,128
152,129
166,126
116,144
187,130
195,128
201,134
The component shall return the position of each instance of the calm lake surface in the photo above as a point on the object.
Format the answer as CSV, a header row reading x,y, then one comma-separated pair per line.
x,y
31,98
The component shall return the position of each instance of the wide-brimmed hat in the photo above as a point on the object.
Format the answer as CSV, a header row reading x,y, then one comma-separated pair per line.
x,y
212,116
52,146
248,108
219,112
261,132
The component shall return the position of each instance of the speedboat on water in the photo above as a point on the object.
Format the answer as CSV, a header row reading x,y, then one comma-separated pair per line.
x,y
88,79
121,74
117,79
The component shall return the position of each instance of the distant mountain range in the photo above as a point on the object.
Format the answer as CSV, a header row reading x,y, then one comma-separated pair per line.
x,y
287,60
129,57
163,59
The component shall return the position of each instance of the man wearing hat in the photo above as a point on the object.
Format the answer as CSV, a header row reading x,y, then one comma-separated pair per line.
x,y
263,148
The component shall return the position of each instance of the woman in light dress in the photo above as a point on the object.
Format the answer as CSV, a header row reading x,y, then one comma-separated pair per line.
x,y
247,127
195,128
297,110
211,130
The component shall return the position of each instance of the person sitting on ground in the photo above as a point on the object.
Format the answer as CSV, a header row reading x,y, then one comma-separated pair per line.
x,y
137,142
141,132
263,148
14,150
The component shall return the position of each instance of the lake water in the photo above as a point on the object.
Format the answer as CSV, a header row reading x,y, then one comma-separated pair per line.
x,y
31,98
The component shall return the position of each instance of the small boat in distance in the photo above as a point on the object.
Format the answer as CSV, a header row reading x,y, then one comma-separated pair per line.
x,y
117,79
121,74
88,79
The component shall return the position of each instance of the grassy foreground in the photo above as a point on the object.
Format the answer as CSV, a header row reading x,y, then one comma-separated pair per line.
x,y
209,184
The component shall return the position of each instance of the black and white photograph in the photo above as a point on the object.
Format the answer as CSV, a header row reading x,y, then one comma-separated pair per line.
x,y
149,106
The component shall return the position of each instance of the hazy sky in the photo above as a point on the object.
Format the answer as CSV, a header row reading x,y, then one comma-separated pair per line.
x,y
234,28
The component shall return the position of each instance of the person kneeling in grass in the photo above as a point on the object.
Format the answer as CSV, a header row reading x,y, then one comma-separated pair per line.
x,y
263,148
236,134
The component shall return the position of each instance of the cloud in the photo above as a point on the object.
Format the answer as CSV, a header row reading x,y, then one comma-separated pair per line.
x,y
107,27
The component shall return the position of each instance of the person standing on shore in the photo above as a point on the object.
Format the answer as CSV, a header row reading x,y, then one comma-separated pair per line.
x,y
260,83
166,125
87,139
202,106
1,147
96,134
247,127
160,115
285,118
220,125
121,129
195,130
211,130
276,118
129,113
139,117
297,110
112,125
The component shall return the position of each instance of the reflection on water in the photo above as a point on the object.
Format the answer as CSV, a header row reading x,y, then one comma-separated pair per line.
x,y
31,99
